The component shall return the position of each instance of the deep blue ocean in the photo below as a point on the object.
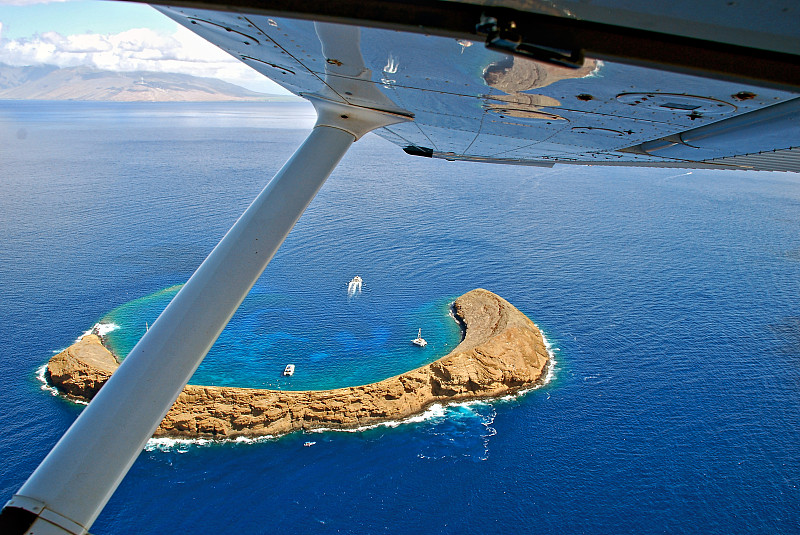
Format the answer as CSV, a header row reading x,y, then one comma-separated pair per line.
x,y
671,300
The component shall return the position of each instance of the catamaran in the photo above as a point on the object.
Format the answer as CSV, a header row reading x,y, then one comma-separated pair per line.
x,y
419,340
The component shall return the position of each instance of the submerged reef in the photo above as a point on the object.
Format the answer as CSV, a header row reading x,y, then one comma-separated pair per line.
x,y
502,352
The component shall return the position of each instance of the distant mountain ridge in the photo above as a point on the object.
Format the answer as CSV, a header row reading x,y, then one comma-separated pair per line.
x,y
48,82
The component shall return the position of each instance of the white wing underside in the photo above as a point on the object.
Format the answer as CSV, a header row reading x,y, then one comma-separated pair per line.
x,y
473,103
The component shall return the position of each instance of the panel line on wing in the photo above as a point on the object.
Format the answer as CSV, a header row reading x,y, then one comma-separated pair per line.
x,y
554,134
477,134
395,134
311,71
432,142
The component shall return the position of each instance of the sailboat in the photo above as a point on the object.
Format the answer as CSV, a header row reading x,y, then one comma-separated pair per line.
x,y
419,340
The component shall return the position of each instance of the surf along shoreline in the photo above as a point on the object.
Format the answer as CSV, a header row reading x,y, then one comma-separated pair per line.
x,y
502,352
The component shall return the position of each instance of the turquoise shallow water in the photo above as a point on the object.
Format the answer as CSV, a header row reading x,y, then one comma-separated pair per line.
x,y
333,342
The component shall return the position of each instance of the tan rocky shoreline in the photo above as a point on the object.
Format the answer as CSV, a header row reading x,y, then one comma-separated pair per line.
x,y
502,352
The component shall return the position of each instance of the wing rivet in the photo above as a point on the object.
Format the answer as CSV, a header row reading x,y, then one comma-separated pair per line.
x,y
743,95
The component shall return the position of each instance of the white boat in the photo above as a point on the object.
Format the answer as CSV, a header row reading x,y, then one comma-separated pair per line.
x,y
289,370
419,340
354,286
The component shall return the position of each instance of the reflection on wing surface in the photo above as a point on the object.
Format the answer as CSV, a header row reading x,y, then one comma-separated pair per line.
x,y
473,103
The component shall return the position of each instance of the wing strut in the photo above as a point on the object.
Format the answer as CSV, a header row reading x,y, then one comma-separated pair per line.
x,y
66,493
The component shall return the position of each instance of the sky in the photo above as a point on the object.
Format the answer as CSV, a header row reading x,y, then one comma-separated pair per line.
x,y
116,36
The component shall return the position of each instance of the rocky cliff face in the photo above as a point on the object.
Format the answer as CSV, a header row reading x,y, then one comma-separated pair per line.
x,y
502,352
80,370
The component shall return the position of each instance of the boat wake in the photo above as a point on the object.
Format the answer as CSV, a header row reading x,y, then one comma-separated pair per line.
x,y
354,287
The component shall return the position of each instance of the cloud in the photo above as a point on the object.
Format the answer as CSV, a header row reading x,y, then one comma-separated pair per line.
x,y
139,49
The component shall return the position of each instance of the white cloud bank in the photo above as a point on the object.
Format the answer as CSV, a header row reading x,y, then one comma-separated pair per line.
x,y
134,50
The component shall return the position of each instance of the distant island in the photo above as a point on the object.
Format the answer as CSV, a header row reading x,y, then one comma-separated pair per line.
x,y
48,82
502,352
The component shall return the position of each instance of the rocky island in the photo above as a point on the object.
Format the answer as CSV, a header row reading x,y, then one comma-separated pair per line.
x,y
502,352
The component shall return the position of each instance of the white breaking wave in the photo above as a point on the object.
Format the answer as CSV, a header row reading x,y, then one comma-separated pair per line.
x,y
433,412
486,422
551,366
182,445
550,372
41,376
100,329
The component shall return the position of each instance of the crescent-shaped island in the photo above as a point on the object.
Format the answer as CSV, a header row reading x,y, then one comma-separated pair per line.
x,y
502,352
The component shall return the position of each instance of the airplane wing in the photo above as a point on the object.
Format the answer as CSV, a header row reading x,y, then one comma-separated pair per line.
x,y
517,102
